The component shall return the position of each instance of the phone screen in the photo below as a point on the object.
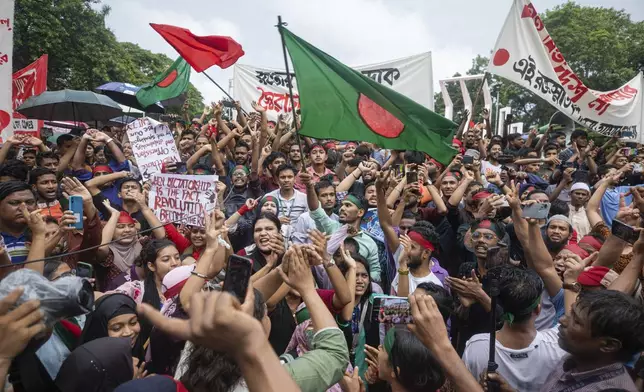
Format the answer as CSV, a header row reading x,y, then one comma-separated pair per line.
x,y
536,210
468,160
625,232
395,310
238,274
76,206
412,176
84,270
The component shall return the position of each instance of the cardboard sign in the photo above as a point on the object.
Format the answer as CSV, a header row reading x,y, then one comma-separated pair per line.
x,y
152,143
182,197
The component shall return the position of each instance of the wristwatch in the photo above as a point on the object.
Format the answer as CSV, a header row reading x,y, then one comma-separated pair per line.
x,y
329,264
574,287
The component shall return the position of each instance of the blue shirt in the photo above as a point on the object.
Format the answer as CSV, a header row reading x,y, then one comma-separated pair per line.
x,y
609,204
16,247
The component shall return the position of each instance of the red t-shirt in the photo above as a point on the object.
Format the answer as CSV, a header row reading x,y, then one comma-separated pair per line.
x,y
327,298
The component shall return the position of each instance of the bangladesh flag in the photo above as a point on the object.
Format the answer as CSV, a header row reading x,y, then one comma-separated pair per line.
x,y
340,103
172,83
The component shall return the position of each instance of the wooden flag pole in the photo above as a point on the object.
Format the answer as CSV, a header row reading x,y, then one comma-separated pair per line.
x,y
476,100
280,24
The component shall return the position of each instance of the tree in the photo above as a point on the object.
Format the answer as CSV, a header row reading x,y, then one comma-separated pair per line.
x,y
602,45
83,52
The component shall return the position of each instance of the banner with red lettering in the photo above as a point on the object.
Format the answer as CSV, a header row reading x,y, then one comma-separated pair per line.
x,y
6,61
526,54
178,196
410,76
31,80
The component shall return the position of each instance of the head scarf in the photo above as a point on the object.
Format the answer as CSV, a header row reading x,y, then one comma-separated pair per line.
x,y
155,383
125,217
592,241
241,167
574,248
125,254
98,366
597,276
106,308
264,200
490,225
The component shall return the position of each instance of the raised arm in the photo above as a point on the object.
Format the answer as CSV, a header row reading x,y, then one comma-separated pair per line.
x,y
627,281
111,144
37,248
342,295
194,158
541,261
349,180
149,215
108,231
566,179
78,161
63,164
457,196
383,212
11,141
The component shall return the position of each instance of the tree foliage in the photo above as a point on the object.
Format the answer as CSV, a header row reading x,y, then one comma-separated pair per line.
x,y
83,52
602,45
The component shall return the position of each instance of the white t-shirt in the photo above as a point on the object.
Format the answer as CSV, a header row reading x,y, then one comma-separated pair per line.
x,y
413,281
525,370
485,165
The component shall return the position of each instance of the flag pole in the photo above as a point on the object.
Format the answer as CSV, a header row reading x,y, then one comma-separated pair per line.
x,y
476,100
224,91
280,24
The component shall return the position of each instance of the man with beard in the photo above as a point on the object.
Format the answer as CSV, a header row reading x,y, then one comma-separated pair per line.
x,y
295,156
415,261
245,185
579,196
360,172
351,212
325,192
45,186
558,233
494,152
471,293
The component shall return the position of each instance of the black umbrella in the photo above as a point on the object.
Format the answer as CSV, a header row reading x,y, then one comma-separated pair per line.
x,y
125,94
70,105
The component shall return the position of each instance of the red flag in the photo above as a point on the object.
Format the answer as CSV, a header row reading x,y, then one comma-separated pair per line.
x,y
201,52
31,80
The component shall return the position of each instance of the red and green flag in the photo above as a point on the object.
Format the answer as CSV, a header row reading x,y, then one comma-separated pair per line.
x,y
170,84
340,103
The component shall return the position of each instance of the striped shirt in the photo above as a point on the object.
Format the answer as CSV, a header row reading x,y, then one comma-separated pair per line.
x,y
564,378
17,247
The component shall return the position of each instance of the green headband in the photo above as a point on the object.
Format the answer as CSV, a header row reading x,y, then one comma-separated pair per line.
x,y
388,344
509,317
241,167
354,200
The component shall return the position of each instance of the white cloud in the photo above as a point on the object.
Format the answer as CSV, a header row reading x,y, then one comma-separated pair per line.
x,y
354,31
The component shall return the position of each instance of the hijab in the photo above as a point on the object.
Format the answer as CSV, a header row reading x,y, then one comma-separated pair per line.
x,y
124,255
98,366
106,308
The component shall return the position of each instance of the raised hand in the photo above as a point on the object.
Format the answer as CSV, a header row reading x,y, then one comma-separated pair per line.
x,y
251,204
382,179
73,187
575,266
257,107
18,326
319,241
628,214
299,271
34,221
108,205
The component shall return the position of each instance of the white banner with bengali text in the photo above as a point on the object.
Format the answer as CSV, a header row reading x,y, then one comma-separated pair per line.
x,y
6,72
152,143
410,76
182,197
526,54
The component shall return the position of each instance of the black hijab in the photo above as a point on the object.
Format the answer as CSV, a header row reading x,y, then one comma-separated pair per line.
x,y
106,308
98,366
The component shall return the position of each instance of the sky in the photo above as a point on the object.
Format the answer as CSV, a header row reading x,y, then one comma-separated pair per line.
x,y
356,32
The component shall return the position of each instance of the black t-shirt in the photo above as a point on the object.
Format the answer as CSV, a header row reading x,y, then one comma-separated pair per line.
x,y
282,327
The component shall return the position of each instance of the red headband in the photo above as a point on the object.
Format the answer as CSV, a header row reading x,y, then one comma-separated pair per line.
x,y
592,241
481,195
416,237
124,217
102,168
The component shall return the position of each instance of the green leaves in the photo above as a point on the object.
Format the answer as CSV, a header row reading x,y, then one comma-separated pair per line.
x,y
83,52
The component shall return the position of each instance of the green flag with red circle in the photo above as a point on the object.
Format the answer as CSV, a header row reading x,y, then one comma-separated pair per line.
x,y
340,103
170,84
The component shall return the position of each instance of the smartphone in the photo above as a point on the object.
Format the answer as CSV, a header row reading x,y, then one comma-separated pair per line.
x,y
76,206
84,270
626,151
468,159
473,153
496,256
412,176
625,232
637,167
180,165
238,274
505,159
389,309
536,210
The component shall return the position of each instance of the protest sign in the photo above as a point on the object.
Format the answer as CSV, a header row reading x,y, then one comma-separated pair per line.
x,y
410,76
526,54
178,196
152,143
31,80
6,62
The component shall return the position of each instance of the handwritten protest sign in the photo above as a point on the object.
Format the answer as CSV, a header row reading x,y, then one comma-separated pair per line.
x,y
178,196
152,143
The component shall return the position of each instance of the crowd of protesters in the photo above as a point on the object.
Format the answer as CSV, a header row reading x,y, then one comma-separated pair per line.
x,y
516,234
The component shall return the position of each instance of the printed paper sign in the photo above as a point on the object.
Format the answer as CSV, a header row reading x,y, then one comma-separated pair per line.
x,y
6,61
410,76
182,197
152,143
526,54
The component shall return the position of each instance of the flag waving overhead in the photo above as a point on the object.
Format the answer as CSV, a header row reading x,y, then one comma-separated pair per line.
x,y
340,103
201,52
172,83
